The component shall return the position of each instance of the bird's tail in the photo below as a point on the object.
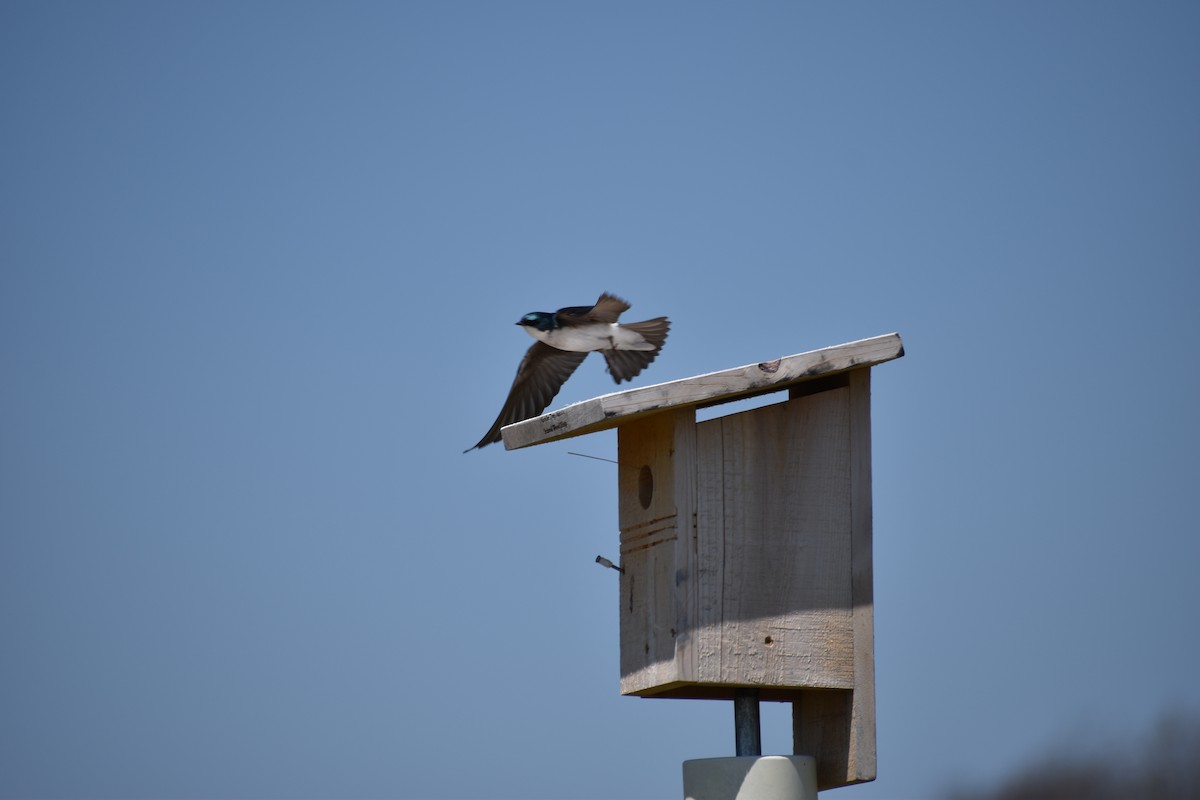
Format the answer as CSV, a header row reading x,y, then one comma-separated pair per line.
x,y
624,364
653,331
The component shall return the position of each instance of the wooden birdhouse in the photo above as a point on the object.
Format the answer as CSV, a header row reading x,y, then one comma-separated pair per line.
x,y
746,541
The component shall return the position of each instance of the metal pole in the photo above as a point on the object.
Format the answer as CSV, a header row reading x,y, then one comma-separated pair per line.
x,y
746,725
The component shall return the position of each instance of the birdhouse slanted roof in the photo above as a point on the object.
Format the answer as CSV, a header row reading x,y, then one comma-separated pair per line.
x,y
618,408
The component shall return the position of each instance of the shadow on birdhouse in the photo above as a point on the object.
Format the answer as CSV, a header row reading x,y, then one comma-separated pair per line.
x,y
746,541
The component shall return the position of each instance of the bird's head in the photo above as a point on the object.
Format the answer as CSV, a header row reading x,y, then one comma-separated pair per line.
x,y
539,320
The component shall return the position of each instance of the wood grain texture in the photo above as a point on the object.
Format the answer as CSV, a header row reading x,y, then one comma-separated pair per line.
x,y
862,766
821,728
617,408
655,482
838,728
781,511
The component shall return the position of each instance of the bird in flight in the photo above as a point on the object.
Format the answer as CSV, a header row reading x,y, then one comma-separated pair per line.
x,y
564,339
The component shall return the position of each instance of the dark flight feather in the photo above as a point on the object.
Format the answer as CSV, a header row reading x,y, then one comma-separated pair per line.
x,y
542,372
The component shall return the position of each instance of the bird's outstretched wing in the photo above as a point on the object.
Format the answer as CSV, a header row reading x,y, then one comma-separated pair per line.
x,y
542,372
607,309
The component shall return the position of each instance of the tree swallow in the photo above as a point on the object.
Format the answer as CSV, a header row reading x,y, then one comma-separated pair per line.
x,y
564,339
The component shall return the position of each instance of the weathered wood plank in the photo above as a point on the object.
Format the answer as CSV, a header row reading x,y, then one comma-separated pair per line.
x,y
838,728
710,555
786,611
656,480
686,583
648,521
610,410
862,765
821,728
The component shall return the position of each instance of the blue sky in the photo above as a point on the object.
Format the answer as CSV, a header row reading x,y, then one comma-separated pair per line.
x,y
259,267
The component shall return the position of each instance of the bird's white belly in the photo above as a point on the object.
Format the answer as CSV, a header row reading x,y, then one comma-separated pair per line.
x,y
585,339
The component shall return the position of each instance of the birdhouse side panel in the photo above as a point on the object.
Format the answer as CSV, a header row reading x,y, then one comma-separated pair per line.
x,y
862,765
839,727
655,488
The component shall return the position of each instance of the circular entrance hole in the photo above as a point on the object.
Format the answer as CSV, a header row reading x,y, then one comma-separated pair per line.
x,y
645,486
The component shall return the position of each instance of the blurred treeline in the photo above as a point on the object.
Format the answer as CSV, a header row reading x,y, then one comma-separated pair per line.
x,y
1162,764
